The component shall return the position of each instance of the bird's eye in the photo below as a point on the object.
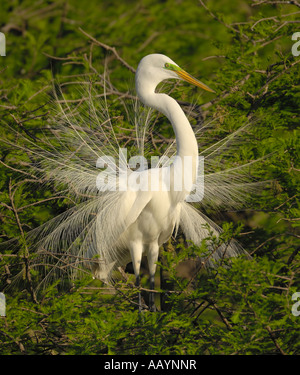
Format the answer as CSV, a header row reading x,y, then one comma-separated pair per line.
x,y
167,65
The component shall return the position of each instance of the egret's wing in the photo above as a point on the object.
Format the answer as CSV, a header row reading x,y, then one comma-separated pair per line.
x,y
86,237
110,246
140,201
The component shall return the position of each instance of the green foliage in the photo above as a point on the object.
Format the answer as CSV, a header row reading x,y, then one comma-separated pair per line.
x,y
240,49
243,307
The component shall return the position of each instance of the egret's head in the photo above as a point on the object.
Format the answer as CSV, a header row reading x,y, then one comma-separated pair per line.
x,y
155,68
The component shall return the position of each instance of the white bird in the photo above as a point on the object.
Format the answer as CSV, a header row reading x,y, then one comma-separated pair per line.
x,y
151,216
108,228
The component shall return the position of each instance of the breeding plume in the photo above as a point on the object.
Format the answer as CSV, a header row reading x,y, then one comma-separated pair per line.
x,y
119,213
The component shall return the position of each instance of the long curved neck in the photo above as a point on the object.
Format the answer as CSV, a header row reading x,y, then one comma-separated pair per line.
x,y
187,147
185,138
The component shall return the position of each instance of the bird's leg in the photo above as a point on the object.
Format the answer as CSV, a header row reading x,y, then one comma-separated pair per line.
x,y
136,251
137,284
152,256
152,306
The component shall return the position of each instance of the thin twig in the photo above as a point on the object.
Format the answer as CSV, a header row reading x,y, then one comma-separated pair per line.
x,y
108,48
264,2
222,22
26,250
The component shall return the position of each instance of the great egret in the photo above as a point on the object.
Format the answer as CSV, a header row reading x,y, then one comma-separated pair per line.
x,y
151,216
108,228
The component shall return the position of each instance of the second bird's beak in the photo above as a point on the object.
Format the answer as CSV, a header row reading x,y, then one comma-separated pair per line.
x,y
187,77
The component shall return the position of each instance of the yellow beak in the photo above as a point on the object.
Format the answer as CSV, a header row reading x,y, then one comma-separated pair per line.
x,y
187,77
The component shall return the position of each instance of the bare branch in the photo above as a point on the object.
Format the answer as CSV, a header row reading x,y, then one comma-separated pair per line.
x,y
265,2
108,48
222,22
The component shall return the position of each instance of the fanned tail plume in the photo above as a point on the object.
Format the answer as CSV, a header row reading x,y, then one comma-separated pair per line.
x,y
87,235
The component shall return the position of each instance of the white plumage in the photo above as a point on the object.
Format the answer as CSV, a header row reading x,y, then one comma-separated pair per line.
x,y
106,229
